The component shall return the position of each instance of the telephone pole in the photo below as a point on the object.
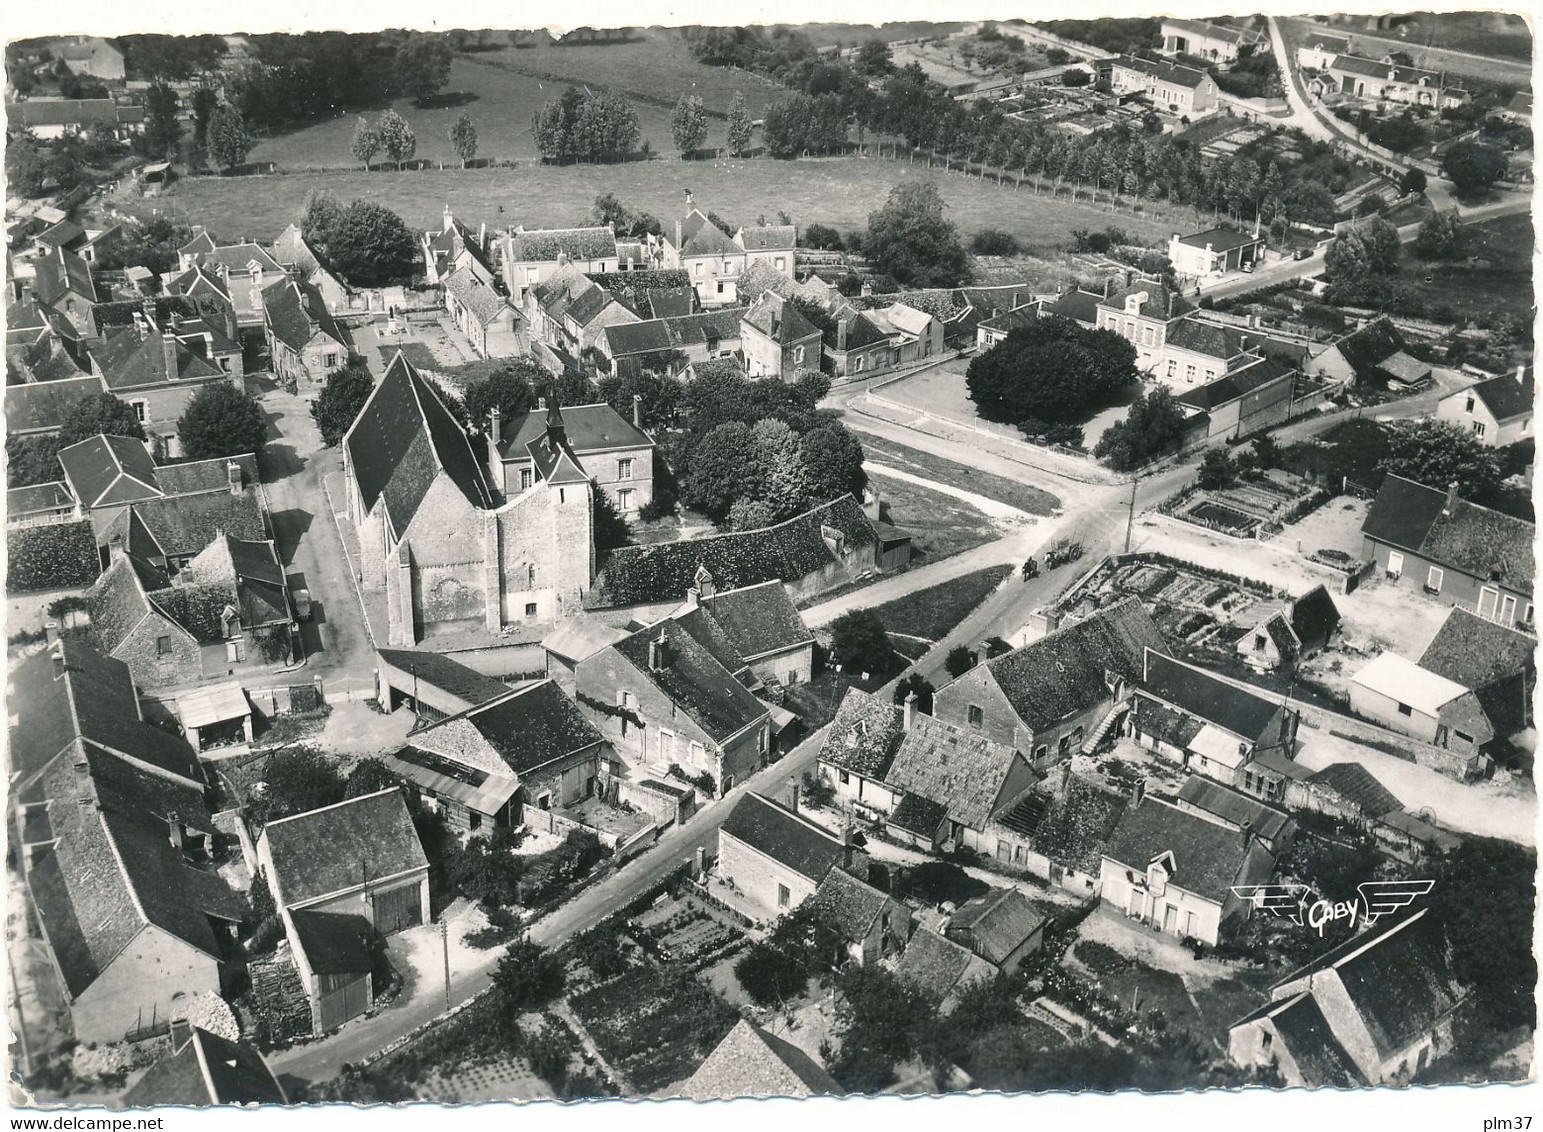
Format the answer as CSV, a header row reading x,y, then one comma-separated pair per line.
x,y
1130,517
444,944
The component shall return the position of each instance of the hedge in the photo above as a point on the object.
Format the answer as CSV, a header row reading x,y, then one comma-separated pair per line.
x,y
54,557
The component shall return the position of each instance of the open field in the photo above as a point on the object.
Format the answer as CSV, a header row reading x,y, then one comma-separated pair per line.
x,y
941,525
1495,278
502,89
919,463
823,35
839,191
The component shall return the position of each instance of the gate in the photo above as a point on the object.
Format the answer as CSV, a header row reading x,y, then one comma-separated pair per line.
x,y
397,909
344,1002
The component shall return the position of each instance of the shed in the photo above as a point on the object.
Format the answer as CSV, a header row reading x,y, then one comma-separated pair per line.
x,y
207,708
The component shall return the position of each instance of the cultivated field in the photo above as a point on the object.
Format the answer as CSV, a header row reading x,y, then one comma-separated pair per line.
x,y
502,89
839,191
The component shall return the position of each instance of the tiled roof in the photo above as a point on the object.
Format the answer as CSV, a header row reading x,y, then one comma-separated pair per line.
x,y
296,313
439,671
758,620
1279,630
339,848
543,245
1505,396
184,525
1233,806
629,339
847,904
333,943
207,1070
705,327
30,113
1327,41
103,470
1066,671
917,815
240,257
786,552
784,836
940,966
1163,72
1237,385
779,320
864,734
403,438
65,234
998,924
1207,858
292,250
1175,728
768,237
565,287
63,272
579,638
117,604
1357,786
199,476
861,330
953,767
694,682
485,304
750,1062
1372,344
127,361
1200,694
1482,543
1474,651
709,240
1015,319
523,730
1081,306
1207,338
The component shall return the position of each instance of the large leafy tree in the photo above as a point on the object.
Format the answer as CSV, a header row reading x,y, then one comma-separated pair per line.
x,y
26,164
1052,371
1154,425
342,396
860,644
661,396
294,781
423,66
397,137
1440,234
833,463
463,138
152,244
720,472
511,387
1436,453
1473,166
204,100
31,460
367,242
688,124
229,139
1485,898
163,126
221,420
366,143
526,977
101,412
740,126
910,239
582,125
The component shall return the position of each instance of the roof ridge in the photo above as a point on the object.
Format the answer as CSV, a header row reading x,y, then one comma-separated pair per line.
x,y
333,806
203,1065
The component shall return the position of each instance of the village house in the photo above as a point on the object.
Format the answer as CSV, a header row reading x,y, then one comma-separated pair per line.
x,y
860,346
295,253
565,315
663,700
1003,927
942,968
1498,663
1347,792
1498,412
1400,695
62,282
755,632
1207,725
487,319
1274,828
1142,312
778,340
1215,43
1078,305
1375,354
993,330
432,533
871,924
1170,87
1383,80
1216,251
49,119
1175,870
774,858
1257,396
341,875
158,374
769,245
529,257
576,639
484,767
40,505
1058,831
749,1062
615,455
305,343
1375,1010
40,408
206,1069
712,258
1318,49
1059,695
42,346
1281,637
453,247
914,335
1457,552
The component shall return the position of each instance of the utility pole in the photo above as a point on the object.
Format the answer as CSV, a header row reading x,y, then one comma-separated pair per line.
x,y
444,944
1130,518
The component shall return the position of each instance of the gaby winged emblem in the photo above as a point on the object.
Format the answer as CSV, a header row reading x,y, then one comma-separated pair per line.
x,y
1288,901
1383,897
1300,904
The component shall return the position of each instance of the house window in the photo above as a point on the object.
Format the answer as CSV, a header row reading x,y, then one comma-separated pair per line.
x,y
1405,709
784,897
977,717
1258,642
860,361
1039,753
1395,564
141,411
1189,374
728,784
699,268
1463,737
781,263
624,469
1478,428
1468,405
846,778
798,355
525,479
530,609
720,288
624,499
728,267
163,646
791,678
1173,367
329,359
1434,579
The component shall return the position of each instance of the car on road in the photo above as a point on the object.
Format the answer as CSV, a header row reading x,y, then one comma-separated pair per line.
x,y
1302,253
302,604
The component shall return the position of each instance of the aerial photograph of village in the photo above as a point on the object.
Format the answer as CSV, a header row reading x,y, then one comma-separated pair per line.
x,y
782,560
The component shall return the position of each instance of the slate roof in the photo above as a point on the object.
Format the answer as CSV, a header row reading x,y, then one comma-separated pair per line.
x,y
861,331
543,245
339,848
919,816
864,734
403,438
127,361
1064,671
525,729
1081,306
768,237
207,1070
708,240
1163,72
186,524
1157,304
239,258
784,836
60,273
1479,542
1238,384
439,671
940,966
786,552
849,905
579,638
998,924
1474,652
117,603
51,496
588,428
1233,806
1368,347
1310,1042
1208,338
333,943
629,339
1207,858
1175,728
750,1062
1198,693
30,113
1357,786
1019,317
485,304
1314,617
1505,396
1397,975
953,767
779,320
296,313
693,680
758,620
103,470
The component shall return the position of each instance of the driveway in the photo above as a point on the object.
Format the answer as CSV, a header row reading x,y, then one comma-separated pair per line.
x,y
291,467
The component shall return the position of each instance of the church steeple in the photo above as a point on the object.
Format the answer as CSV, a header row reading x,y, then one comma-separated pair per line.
x,y
556,431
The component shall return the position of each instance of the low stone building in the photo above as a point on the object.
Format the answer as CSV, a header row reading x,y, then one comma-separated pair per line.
x,y
776,858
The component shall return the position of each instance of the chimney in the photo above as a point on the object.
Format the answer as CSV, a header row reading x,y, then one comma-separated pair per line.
x,y
496,427
56,651
1066,775
147,311
482,235
704,584
1108,286
656,650
910,711
1172,298
51,632
793,795
867,288
114,546
174,830
449,219
1451,503
541,404
1246,831
169,354
637,410
1139,792
233,477
690,201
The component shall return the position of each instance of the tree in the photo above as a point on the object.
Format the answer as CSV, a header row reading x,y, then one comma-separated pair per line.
x,y
1153,426
26,164
783,481
342,397
960,660
1485,901
822,237
527,977
688,124
463,138
152,244
740,126
1436,453
909,239
366,143
833,463
1074,370
229,141
367,243
100,413
294,781
1075,76
423,66
1413,181
859,642
31,460
611,527
771,975
221,420
918,685
719,472
1473,167
1216,469
511,388
163,126
993,241
397,137
369,776
1440,235
873,58
581,125
204,100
